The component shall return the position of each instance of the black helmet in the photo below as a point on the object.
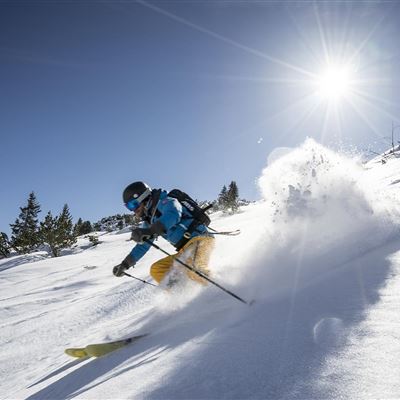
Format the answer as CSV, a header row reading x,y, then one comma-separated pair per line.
x,y
135,194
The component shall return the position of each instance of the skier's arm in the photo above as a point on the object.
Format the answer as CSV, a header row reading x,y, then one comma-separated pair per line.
x,y
134,256
141,248
171,213
139,251
127,262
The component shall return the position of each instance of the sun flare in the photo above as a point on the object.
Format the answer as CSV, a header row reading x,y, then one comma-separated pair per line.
x,y
335,82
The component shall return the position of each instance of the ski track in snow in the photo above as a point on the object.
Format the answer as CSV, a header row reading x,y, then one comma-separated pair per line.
x,y
320,255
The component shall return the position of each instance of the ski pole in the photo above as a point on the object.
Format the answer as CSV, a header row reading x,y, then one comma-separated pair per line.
x,y
199,273
141,280
227,233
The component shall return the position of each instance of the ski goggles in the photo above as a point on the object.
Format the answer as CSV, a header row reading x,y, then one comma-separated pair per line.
x,y
132,205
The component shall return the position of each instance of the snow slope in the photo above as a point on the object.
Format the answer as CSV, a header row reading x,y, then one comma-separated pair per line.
x,y
320,255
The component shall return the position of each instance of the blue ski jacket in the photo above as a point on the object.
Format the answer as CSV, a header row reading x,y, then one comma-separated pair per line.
x,y
176,220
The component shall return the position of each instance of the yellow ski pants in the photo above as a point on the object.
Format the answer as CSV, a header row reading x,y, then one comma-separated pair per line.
x,y
196,253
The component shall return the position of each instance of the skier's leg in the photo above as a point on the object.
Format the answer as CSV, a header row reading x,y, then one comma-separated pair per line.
x,y
161,267
197,254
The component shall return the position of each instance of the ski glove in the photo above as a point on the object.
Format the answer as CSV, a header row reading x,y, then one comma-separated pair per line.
x,y
128,262
140,234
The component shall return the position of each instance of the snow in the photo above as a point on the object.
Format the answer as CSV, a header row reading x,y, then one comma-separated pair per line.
x,y
320,255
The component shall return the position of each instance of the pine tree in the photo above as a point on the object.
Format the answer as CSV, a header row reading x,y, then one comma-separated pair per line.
x,y
65,229
94,239
222,199
4,245
58,232
97,226
25,230
48,233
233,197
86,228
128,219
82,227
78,227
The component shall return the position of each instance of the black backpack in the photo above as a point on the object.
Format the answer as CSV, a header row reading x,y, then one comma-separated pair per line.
x,y
198,214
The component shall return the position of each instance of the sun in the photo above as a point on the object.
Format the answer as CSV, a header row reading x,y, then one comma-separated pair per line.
x,y
335,82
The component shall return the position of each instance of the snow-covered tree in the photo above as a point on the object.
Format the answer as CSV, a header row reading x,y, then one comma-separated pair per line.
x,y
58,231
97,226
222,199
128,219
49,234
78,227
233,197
94,239
25,230
65,228
86,228
228,199
82,227
4,245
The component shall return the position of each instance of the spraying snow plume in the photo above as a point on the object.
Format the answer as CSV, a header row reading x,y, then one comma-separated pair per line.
x,y
319,212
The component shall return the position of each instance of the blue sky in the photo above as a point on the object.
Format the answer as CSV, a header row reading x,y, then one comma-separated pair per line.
x,y
190,94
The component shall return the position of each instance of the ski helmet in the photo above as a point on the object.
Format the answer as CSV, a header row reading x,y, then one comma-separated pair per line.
x,y
135,194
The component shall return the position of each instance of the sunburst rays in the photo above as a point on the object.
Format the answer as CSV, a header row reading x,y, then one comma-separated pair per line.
x,y
339,90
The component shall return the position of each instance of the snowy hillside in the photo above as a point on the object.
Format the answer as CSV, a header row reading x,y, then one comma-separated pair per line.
x,y
320,255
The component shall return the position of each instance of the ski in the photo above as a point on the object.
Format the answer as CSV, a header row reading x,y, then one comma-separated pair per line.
x,y
100,349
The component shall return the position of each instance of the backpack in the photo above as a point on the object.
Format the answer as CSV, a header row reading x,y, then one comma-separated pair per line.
x,y
198,214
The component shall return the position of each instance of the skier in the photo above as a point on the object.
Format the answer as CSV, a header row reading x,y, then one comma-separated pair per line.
x,y
162,215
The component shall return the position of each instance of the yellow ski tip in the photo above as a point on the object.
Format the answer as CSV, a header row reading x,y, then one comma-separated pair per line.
x,y
79,352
